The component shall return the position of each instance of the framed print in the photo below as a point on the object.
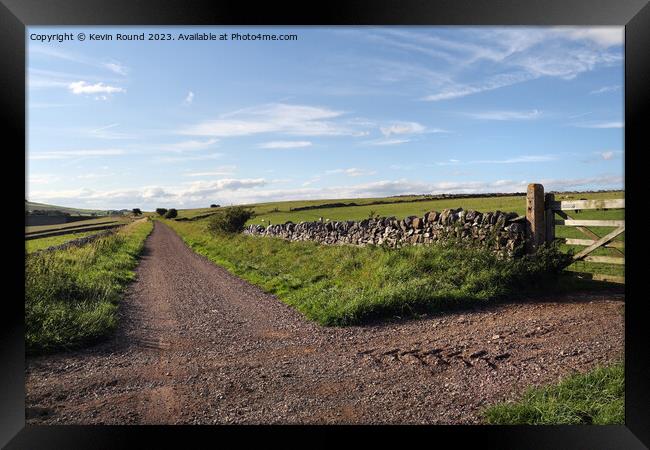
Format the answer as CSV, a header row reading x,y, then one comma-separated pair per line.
x,y
361,217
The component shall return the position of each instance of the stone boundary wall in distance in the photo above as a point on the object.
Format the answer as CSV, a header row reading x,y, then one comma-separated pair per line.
x,y
79,241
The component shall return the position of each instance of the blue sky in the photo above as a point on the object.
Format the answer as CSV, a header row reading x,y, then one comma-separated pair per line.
x,y
340,112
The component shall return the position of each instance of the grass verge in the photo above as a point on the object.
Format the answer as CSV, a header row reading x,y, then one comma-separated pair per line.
x,y
346,285
597,397
71,295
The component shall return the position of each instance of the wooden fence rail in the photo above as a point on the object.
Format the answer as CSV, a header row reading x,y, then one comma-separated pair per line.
x,y
591,223
541,222
572,205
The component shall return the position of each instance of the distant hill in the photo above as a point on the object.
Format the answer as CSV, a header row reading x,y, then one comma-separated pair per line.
x,y
30,207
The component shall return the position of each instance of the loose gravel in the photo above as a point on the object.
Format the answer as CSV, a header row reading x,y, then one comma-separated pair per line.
x,y
197,345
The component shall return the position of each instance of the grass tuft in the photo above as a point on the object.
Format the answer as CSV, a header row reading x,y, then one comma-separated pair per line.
x,y
597,397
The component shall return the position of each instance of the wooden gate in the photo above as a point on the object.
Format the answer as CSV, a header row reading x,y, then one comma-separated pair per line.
x,y
542,228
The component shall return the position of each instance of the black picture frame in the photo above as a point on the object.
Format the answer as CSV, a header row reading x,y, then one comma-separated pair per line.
x,y
15,15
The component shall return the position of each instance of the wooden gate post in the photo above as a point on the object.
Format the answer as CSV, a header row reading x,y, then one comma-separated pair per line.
x,y
549,217
535,212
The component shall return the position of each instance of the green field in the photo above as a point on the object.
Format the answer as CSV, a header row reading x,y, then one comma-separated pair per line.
x,y
34,245
280,212
71,295
344,285
283,207
399,210
597,397
79,224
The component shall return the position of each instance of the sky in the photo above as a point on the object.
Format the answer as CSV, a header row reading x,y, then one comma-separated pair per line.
x,y
336,112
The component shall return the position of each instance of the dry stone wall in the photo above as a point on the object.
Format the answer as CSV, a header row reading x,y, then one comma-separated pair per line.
x,y
503,232
79,241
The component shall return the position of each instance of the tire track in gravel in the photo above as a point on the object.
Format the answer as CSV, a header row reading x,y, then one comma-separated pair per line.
x,y
196,344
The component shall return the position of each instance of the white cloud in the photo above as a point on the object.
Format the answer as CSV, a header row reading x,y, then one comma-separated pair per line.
x,y
603,36
566,68
190,145
609,155
405,186
575,116
285,144
67,154
507,55
205,188
598,182
613,124
180,159
42,178
50,52
402,128
604,155
506,115
92,176
153,192
82,87
515,160
605,89
457,90
280,118
401,132
104,128
111,198
48,105
519,159
219,171
38,78
189,98
116,67
312,180
388,141
401,167
351,172
106,132
123,198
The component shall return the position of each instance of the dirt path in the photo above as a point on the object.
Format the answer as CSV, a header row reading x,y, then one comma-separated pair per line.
x,y
198,345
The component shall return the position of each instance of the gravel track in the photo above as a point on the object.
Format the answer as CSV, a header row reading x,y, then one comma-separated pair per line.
x,y
197,345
